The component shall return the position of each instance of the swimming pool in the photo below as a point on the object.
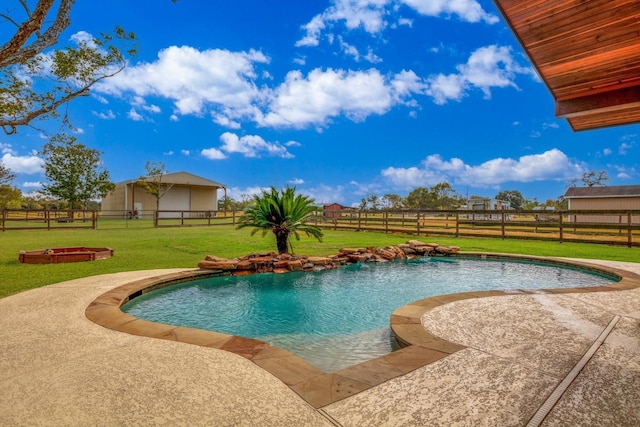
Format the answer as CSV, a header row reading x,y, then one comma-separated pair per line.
x,y
337,318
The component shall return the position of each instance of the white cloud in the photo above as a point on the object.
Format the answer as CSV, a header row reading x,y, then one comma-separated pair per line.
x,y
168,153
624,148
607,152
29,164
140,102
488,67
368,15
194,80
313,100
225,121
185,152
213,154
108,115
550,165
134,115
249,146
237,193
373,16
252,146
296,181
322,194
466,10
224,84
83,37
32,184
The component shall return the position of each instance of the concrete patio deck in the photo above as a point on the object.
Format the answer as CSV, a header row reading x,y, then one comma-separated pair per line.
x,y
59,368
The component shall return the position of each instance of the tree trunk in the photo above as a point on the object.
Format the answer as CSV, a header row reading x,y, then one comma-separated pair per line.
x,y
282,239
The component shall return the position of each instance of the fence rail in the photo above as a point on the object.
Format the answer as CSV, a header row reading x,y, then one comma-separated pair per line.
x,y
615,227
18,219
195,218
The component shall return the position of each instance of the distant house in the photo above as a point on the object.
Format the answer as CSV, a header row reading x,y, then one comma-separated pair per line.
x,y
621,197
333,210
488,204
485,204
187,192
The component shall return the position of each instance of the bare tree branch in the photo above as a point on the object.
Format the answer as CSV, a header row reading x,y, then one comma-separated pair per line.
x,y
15,51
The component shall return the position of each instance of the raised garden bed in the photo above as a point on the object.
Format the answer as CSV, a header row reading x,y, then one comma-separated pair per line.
x,y
60,255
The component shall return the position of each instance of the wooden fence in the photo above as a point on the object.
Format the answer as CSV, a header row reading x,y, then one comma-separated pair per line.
x,y
615,227
18,219
608,227
195,218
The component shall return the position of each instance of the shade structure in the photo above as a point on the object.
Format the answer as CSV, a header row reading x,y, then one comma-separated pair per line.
x,y
587,53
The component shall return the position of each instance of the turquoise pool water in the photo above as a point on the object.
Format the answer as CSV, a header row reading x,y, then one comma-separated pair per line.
x,y
337,318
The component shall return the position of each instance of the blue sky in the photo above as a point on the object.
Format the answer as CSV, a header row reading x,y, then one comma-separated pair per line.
x,y
341,98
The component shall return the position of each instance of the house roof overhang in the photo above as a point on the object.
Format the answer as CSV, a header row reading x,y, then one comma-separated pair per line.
x,y
588,54
616,191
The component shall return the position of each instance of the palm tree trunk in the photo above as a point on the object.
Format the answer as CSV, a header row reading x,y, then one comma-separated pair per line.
x,y
282,239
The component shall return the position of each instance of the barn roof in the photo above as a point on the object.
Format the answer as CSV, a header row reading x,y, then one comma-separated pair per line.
x,y
602,192
588,54
187,179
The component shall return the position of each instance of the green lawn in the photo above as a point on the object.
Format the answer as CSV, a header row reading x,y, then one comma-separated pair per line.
x,y
141,247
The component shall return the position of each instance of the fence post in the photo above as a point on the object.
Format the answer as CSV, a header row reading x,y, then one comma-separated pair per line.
x,y
629,233
457,224
155,218
233,217
386,221
359,219
502,224
4,217
94,219
560,224
418,223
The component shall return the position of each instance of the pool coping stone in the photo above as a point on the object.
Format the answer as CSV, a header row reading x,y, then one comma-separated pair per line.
x,y
319,389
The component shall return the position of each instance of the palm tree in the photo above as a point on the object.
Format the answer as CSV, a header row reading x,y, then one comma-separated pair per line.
x,y
281,212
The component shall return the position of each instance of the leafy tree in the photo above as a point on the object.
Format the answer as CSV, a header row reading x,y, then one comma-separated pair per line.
x,y
558,204
373,201
419,198
530,204
392,201
74,172
10,197
34,84
232,204
514,197
445,197
281,212
152,182
36,200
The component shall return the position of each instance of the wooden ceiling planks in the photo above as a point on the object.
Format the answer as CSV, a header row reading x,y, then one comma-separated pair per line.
x,y
588,54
